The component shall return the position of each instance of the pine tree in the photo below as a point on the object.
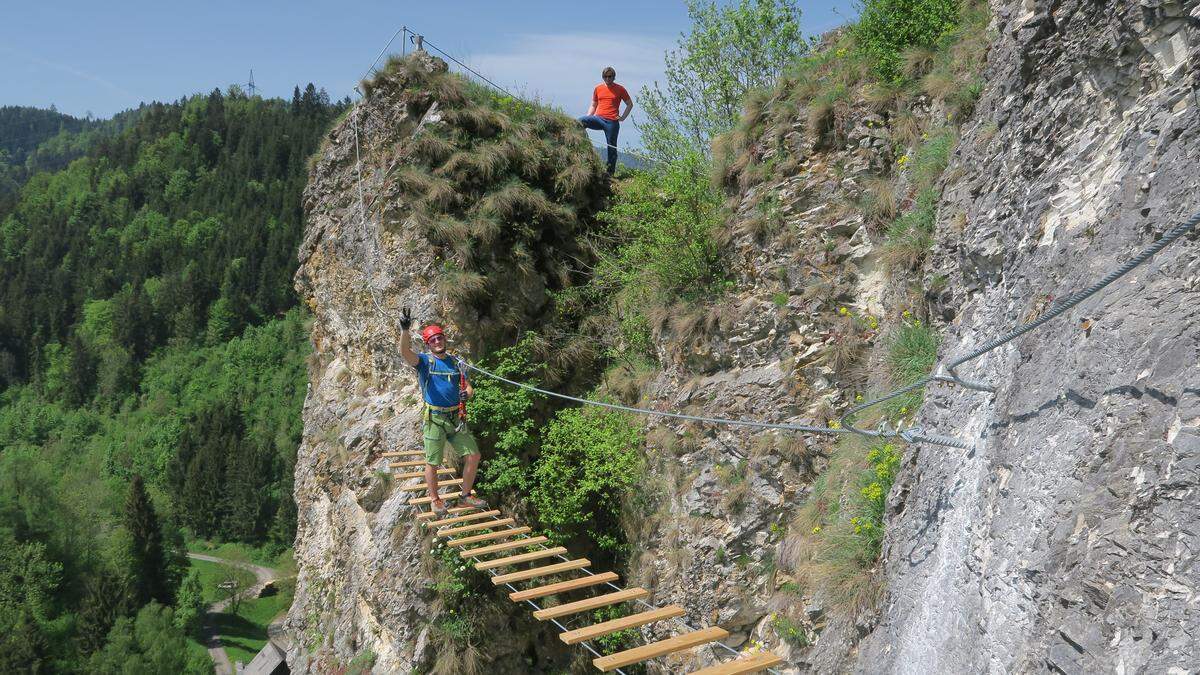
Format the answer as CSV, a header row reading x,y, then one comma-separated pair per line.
x,y
148,559
107,597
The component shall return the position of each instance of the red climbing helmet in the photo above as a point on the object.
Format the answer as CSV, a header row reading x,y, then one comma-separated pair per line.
x,y
429,331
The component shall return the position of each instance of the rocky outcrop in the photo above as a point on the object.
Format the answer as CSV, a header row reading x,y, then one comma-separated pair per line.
x,y
1064,541
361,585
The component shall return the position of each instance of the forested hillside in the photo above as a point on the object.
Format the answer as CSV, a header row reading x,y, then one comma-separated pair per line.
x,y
151,368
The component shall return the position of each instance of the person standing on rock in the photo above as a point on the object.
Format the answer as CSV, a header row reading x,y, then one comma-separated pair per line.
x,y
444,387
603,115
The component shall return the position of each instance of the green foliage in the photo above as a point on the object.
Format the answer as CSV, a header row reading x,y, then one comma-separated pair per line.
x,y
932,157
886,28
589,463
501,417
729,51
912,351
143,285
882,460
789,631
148,557
180,227
840,528
663,224
361,664
911,234
620,640
190,605
149,644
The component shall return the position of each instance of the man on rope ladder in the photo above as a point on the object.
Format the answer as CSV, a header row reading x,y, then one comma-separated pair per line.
x,y
603,115
444,386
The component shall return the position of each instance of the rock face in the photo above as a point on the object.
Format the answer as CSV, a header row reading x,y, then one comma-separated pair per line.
x,y
1065,540
362,586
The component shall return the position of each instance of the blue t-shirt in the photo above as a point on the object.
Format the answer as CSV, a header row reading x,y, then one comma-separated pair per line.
x,y
439,378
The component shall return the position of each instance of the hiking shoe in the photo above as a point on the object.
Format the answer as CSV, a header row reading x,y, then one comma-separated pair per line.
x,y
439,508
473,502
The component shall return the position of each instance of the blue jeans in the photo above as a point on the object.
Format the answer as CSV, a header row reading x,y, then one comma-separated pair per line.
x,y
610,128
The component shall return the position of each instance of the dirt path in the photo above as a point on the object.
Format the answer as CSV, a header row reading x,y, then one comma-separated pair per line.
x,y
211,639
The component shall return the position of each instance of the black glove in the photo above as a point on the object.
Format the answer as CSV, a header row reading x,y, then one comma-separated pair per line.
x,y
406,319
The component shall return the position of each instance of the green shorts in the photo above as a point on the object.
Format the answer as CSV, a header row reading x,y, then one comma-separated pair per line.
x,y
438,430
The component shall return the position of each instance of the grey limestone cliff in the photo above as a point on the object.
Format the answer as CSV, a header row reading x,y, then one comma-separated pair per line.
x,y
1066,540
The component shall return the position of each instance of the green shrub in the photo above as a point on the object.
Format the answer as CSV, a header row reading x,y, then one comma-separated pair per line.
x,y
664,223
500,416
589,463
789,631
887,27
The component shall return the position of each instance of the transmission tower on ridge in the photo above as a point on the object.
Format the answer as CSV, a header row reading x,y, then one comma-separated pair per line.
x,y
250,85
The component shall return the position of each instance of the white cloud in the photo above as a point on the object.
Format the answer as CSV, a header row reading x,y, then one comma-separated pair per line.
x,y
562,68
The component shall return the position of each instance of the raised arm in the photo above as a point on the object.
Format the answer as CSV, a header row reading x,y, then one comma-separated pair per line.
x,y
406,350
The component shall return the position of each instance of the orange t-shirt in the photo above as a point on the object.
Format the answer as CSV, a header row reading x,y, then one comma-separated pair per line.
x,y
607,98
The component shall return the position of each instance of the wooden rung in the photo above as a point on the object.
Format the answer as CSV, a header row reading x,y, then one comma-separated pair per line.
x,y
563,586
632,621
462,519
590,603
427,500
541,571
419,474
422,486
500,534
401,465
506,546
660,648
430,515
476,526
523,557
403,453
743,664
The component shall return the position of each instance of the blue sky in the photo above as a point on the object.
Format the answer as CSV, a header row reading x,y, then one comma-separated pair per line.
x,y
106,57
